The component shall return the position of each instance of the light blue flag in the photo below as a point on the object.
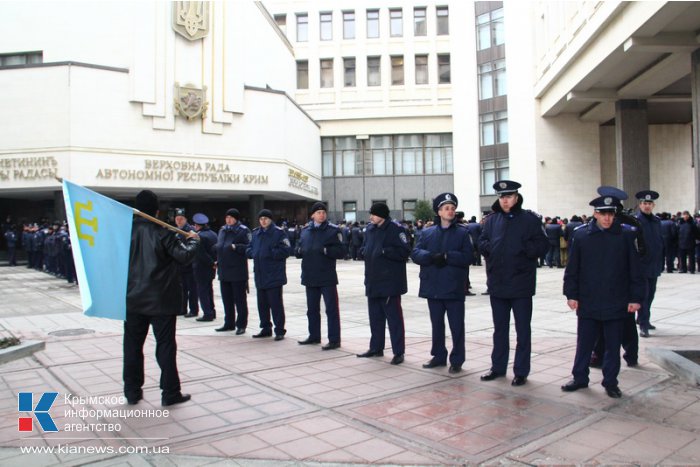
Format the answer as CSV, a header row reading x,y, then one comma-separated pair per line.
x,y
100,234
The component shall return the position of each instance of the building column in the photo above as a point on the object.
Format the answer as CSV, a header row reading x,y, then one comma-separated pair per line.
x,y
632,147
59,206
695,98
255,204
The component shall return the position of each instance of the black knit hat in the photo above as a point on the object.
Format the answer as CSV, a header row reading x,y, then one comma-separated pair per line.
x,y
147,202
233,212
265,213
380,209
318,206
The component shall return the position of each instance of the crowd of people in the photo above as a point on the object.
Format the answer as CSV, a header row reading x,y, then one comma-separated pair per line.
x,y
612,262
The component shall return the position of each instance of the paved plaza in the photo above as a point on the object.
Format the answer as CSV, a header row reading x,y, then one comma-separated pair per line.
x,y
260,402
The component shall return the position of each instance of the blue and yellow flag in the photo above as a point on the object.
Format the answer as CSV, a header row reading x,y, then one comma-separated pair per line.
x,y
100,234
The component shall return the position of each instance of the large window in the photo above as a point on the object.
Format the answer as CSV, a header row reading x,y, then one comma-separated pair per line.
x,y
381,157
443,20
409,208
444,68
438,154
302,74
342,156
349,72
397,70
348,24
374,71
24,58
421,69
492,79
302,27
420,25
326,24
396,22
372,24
408,152
494,128
350,211
490,29
327,156
491,171
327,73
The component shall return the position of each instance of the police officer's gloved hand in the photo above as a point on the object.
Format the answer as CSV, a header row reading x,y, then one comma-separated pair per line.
x,y
439,260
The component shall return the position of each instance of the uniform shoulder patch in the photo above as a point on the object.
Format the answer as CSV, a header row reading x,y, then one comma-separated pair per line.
x,y
403,237
286,242
537,215
629,228
578,227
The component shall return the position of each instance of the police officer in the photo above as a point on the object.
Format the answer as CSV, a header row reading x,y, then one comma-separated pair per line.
x,y
603,283
356,238
669,232
204,266
189,286
232,265
27,240
512,240
444,253
385,251
653,261
68,260
687,233
269,249
320,245
474,228
11,239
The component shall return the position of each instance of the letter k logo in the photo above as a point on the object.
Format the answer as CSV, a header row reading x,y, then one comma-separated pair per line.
x,y
41,411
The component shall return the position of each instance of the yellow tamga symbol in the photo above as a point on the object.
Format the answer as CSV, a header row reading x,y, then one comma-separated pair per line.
x,y
80,221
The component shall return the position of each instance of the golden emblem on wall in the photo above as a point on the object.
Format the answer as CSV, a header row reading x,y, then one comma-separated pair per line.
x,y
191,19
190,101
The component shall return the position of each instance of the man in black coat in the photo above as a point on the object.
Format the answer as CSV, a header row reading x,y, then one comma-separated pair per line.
x,y
189,286
385,251
687,233
204,267
653,261
320,245
232,265
512,240
153,298
603,283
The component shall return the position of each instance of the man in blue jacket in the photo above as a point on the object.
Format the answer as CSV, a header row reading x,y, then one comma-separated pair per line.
x,y
204,267
444,253
603,283
512,240
189,286
385,251
320,245
653,261
232,265
269,249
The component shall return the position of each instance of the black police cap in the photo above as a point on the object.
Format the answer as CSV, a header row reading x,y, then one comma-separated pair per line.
x,y
647,195
605,203
504,187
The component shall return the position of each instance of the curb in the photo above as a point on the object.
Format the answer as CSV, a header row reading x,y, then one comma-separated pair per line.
x,y
24,349
675,362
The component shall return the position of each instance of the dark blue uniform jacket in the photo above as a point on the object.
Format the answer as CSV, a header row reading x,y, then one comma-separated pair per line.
x,y
11,239
669,232
687,233
443,282
319,247
385,250
269,250
233,264
604,271
206,255
511,244
554,233
653,261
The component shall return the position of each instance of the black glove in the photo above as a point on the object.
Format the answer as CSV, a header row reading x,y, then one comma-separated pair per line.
x,y
439,260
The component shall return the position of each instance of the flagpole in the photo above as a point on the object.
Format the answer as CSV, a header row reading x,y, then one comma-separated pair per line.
x,y
150,218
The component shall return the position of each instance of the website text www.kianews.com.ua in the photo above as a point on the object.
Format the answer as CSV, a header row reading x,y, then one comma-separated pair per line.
x,y
74,449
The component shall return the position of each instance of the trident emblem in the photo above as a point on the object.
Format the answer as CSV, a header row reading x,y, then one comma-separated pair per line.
x,y
79,221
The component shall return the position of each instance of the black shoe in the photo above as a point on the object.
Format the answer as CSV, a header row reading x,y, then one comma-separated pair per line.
x,y
331,346
491,375
190,315
262,334
651,327
470,294
632,364
309,341
455,369
224,328
175,400
397,360
572,386
643,332
371,353
614,392
279,337
519,381
485,293
133,400
432,363
240,331
205,318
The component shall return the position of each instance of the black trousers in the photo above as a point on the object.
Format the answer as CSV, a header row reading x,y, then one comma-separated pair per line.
x,y
586,337
270,302
313,312
135,332
235,298
189,293
522,313
630,341
383,311
455,317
